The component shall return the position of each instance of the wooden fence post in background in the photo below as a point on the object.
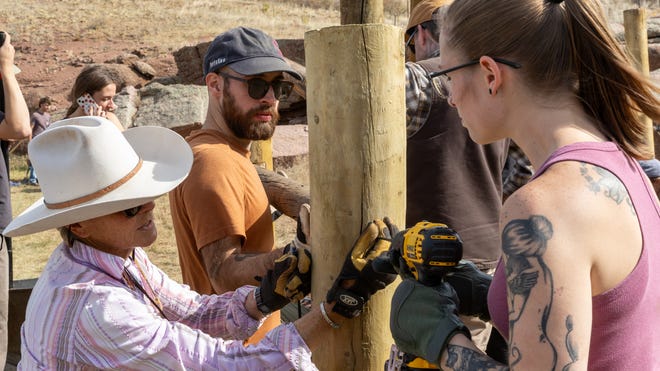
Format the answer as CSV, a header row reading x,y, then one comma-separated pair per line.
x,y
634,21
261,153
361,11
357,157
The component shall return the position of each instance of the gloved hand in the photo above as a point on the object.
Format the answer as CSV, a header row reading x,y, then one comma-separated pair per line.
x,y
358,280
290,279
302,239
423,319
471,285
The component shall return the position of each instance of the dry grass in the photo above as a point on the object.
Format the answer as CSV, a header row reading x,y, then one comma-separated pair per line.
x,y
170,24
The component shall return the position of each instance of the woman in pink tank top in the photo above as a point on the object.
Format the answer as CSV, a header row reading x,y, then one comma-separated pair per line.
x,y
575,287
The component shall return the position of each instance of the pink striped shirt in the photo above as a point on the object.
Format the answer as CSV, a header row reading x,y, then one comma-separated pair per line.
x,y
81,315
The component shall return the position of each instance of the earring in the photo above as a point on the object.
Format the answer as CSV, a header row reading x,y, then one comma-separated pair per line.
x,y
490,91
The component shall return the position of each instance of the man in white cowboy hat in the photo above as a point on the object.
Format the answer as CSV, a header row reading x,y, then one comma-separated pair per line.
x,y
101,304
14,124
220,214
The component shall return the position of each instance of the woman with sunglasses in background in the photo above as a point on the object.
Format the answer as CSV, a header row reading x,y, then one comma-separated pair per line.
x,y
577,285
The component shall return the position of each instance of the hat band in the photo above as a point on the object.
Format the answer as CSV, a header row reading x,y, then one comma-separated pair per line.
x,y
97,194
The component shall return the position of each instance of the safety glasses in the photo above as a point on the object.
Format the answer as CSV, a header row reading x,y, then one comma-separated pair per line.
x,y
444,83
410,44
258,87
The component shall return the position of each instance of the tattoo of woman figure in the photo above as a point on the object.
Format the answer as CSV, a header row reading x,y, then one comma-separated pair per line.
x,y
524,241
601,180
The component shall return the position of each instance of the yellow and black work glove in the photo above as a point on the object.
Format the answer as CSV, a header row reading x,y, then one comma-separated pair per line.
x,y
391,261
303,240
288,280
300,283
358,280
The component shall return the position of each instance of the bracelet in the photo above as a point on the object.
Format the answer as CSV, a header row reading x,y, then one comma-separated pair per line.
x,y
327,319
260,305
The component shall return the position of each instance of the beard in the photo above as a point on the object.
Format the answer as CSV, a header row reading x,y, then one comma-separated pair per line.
x,y
244,125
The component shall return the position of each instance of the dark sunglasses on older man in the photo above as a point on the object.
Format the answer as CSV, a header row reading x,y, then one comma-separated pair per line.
x,y
258,87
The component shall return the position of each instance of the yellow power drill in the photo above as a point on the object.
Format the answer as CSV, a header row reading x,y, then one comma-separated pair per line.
x,y
430,251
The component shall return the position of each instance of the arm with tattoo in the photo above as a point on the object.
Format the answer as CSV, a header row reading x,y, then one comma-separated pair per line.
x,y
228,268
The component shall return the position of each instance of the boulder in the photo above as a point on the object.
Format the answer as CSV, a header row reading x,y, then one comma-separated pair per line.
x,y
128,103
171,106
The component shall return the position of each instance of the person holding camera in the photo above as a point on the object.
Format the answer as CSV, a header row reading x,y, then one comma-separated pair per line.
x,y
14,125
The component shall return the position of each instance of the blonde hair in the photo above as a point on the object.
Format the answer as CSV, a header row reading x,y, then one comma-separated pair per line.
x,y
562,45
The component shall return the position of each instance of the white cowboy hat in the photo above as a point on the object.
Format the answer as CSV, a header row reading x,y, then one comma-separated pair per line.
x,y
88,169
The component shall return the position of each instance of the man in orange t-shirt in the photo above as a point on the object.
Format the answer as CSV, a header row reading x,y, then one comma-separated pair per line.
x,y
221,214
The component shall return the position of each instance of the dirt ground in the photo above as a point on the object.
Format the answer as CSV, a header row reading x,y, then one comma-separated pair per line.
x,y
50,69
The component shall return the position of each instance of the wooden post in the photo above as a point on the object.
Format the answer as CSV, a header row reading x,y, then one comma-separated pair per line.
x,y
361,11
285,194
261,153
634,21
357,141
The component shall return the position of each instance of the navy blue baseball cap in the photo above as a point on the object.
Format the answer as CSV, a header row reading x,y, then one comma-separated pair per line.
x,y
247,51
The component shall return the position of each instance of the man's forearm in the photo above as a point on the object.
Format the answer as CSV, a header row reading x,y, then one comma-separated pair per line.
x,y
241,269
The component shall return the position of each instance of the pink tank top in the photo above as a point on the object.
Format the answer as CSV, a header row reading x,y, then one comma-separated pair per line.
x,y
625,333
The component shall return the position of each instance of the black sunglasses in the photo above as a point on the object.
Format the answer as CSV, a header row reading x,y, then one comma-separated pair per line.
x,y
133,211
258,87
472,63
410,44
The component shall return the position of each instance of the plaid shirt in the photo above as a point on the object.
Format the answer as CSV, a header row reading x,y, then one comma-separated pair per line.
x,y
419,99
517,171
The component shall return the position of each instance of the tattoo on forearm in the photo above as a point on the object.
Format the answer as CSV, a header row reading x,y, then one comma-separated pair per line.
x,y
524,242
466,359
571,347
601,180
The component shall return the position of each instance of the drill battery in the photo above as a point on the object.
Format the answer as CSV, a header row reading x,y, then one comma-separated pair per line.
x,y
400,361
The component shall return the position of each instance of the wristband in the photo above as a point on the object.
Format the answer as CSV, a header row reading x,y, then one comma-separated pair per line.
x,y
260,305
330,322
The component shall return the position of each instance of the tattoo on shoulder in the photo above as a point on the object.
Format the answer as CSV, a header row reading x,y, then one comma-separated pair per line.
x,y
466,359
602,181
524,242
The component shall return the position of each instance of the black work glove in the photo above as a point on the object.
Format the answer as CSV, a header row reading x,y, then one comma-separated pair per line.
x,y
391,260
423,319
358,280
300,282
290,279
302,239
471,285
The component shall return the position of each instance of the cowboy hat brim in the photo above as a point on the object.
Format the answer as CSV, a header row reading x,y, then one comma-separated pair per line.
x,y
167,159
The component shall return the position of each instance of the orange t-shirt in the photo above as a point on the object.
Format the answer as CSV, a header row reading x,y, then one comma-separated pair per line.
x,y
222,196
